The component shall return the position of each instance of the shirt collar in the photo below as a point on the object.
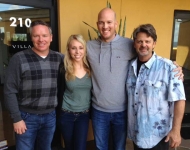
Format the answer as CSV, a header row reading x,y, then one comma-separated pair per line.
x,y
149,63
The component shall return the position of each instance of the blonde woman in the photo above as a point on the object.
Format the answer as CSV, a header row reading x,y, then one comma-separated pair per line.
x,y
76,94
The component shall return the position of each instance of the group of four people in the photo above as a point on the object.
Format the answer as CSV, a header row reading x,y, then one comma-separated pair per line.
x,y
100,79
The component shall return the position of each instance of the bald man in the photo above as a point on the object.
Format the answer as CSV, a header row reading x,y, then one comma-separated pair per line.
x,y
108,57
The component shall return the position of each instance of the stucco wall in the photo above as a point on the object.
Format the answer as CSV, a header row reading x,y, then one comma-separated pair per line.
x,y
159,13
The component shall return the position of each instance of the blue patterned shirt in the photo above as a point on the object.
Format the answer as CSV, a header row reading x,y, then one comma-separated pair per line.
x,y
151,98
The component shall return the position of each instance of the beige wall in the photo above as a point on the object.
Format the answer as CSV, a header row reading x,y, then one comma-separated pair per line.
x,y
160,13
157,12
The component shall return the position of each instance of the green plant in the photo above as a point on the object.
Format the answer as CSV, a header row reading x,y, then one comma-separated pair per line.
x,y
97,32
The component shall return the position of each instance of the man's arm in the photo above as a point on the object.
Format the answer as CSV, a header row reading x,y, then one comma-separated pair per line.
x,y
11,89
174,135
179,71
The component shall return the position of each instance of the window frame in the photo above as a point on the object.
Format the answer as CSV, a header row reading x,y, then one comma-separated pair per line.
x,y
49,4
178,14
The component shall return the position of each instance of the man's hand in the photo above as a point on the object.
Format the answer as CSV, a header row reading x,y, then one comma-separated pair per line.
x,y
20,127
179,70
174,137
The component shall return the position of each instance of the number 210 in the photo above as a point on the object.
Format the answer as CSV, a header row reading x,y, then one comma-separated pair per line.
x,y
13,24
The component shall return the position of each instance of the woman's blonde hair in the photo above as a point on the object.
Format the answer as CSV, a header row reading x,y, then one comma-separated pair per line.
x,y
68,63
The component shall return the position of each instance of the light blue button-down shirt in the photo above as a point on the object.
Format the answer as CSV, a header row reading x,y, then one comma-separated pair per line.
x,y
151,98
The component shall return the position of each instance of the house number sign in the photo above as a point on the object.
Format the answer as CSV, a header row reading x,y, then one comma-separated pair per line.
x,y
14,20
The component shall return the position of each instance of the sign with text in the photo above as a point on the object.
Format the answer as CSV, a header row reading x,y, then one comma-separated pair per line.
x,y
14,23
17,46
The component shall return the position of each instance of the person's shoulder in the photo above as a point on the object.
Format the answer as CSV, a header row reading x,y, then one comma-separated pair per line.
x,y
127,42
92,41
164,60
18,57
21,53
167,62
92,44
57,53
126,39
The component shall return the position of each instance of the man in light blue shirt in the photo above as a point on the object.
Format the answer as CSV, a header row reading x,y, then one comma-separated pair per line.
x,y
156,99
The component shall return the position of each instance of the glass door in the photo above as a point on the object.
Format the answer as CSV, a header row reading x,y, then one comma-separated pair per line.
x,y
181,53
15,21
181,49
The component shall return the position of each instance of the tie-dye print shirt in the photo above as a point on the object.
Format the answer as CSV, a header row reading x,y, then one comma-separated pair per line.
x,y
151,98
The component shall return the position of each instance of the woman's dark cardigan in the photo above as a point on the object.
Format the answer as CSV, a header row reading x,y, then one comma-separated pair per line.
x,y
60,91
60,87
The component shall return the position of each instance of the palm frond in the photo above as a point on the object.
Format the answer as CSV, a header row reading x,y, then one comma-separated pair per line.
x,y
124,27
120,26
89,35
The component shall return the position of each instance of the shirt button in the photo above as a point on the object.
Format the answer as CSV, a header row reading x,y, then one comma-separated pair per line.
x,y
136,93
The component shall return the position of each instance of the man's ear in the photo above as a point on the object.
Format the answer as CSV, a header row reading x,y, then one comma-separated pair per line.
x,y
134,43
97,24
51,37
154,44
116,23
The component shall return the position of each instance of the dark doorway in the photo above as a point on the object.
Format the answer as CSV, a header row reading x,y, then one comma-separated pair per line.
x,y
15,19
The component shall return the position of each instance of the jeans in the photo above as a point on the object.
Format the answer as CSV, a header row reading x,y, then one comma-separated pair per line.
x,y
39,133
74,129
103,122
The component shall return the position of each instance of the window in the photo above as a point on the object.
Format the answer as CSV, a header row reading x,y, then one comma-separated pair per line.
x,y
181,48
181,53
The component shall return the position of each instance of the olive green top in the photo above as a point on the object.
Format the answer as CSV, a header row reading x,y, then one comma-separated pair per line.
x,y
77,95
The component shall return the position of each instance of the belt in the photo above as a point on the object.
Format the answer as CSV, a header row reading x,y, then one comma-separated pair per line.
x,y
76,113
